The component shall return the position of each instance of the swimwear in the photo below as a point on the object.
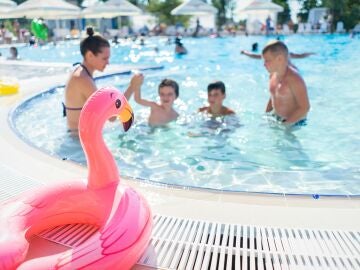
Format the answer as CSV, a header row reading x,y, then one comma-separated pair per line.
x,y
278,118
86,70
70,108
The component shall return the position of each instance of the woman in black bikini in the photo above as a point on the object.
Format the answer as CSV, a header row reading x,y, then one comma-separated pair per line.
x,y
96,53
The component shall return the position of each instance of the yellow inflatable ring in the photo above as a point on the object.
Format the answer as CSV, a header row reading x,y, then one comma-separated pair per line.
x,y
8,87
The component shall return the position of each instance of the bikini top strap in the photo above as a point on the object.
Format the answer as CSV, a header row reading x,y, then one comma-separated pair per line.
x,y
86,70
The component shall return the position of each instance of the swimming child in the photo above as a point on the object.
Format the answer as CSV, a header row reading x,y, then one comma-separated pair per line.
x,y
14,55
179,47
163,113
216,96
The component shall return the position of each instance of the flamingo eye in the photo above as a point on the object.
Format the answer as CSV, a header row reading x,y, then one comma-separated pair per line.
x,y
118,103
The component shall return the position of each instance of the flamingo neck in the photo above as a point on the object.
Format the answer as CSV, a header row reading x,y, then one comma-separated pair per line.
x,y
101,164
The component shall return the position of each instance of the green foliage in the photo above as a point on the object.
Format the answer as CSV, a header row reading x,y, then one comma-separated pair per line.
x,y
221,15
283,17
306,5
162,8
225,9
347,11
351,14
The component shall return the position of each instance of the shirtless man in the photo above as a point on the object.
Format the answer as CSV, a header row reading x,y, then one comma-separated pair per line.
x,y
288,95
163,113
216,96
96,53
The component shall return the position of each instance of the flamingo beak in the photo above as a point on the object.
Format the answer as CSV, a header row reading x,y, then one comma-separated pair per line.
x,y
127,117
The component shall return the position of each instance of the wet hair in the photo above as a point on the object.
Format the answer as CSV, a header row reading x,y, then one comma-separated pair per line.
x,y
254,47
14,51
178,41
276,47
216,85
170,83
93,43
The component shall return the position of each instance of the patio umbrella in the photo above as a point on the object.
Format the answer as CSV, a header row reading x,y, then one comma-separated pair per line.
x,y
111,9
194,7
46,9
263,5
6,4
5,7
88,3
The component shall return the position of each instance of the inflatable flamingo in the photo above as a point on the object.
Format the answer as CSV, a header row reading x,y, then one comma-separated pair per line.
x,y
122,215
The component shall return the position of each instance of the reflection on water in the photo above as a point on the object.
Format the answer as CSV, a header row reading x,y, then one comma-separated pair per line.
x,y
245,153
70,148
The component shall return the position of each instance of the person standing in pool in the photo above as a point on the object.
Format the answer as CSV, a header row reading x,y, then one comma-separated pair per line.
x,y
161,113
81,85
288,101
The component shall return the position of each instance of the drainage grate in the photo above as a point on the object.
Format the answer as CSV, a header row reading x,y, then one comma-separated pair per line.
x,y
70,235
12,183
178,243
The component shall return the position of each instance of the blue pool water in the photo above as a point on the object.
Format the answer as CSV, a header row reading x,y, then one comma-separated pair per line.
x,y
246,153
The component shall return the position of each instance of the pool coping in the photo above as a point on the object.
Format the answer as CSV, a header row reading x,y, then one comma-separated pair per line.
x,y
234,207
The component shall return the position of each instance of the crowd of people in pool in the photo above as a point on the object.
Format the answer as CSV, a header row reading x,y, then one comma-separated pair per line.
x,y
288,102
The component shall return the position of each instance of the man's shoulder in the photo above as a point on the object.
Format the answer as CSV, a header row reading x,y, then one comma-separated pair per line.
x,y
227,111
204,109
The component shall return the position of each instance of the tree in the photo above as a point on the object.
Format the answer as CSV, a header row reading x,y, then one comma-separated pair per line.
x,y
347,11
225,9
283,17
306,5
351,15
161,9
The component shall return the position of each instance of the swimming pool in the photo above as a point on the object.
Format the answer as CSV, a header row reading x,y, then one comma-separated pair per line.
x,y
243,154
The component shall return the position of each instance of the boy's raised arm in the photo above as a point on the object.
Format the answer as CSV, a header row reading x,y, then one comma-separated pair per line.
x,y
137,95
135,82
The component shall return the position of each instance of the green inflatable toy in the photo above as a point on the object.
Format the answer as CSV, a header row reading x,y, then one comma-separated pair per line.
x,y
39,29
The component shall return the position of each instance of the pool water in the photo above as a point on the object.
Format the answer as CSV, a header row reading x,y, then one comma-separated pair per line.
x,y
248,152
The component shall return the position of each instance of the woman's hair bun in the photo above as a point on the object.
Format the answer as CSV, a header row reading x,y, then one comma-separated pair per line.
x,y
90,31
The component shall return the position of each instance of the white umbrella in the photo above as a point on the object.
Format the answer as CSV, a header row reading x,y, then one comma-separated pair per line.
x,y
5,7
194,7
263,5
111,9
88,3
46,9
6,4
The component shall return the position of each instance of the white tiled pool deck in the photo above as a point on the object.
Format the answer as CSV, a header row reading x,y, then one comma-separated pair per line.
x,y
328,213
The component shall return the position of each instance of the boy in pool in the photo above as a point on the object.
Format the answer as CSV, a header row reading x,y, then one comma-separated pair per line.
x,y
163,113
288,100
216,96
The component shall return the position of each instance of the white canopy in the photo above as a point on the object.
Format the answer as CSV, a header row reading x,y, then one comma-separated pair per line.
x,y
88,3
194,7
6,4
256,13
111,9
46,9
316,15
5,7
263,5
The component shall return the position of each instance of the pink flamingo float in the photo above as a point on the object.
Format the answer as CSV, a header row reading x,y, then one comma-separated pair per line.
x,y
122,215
